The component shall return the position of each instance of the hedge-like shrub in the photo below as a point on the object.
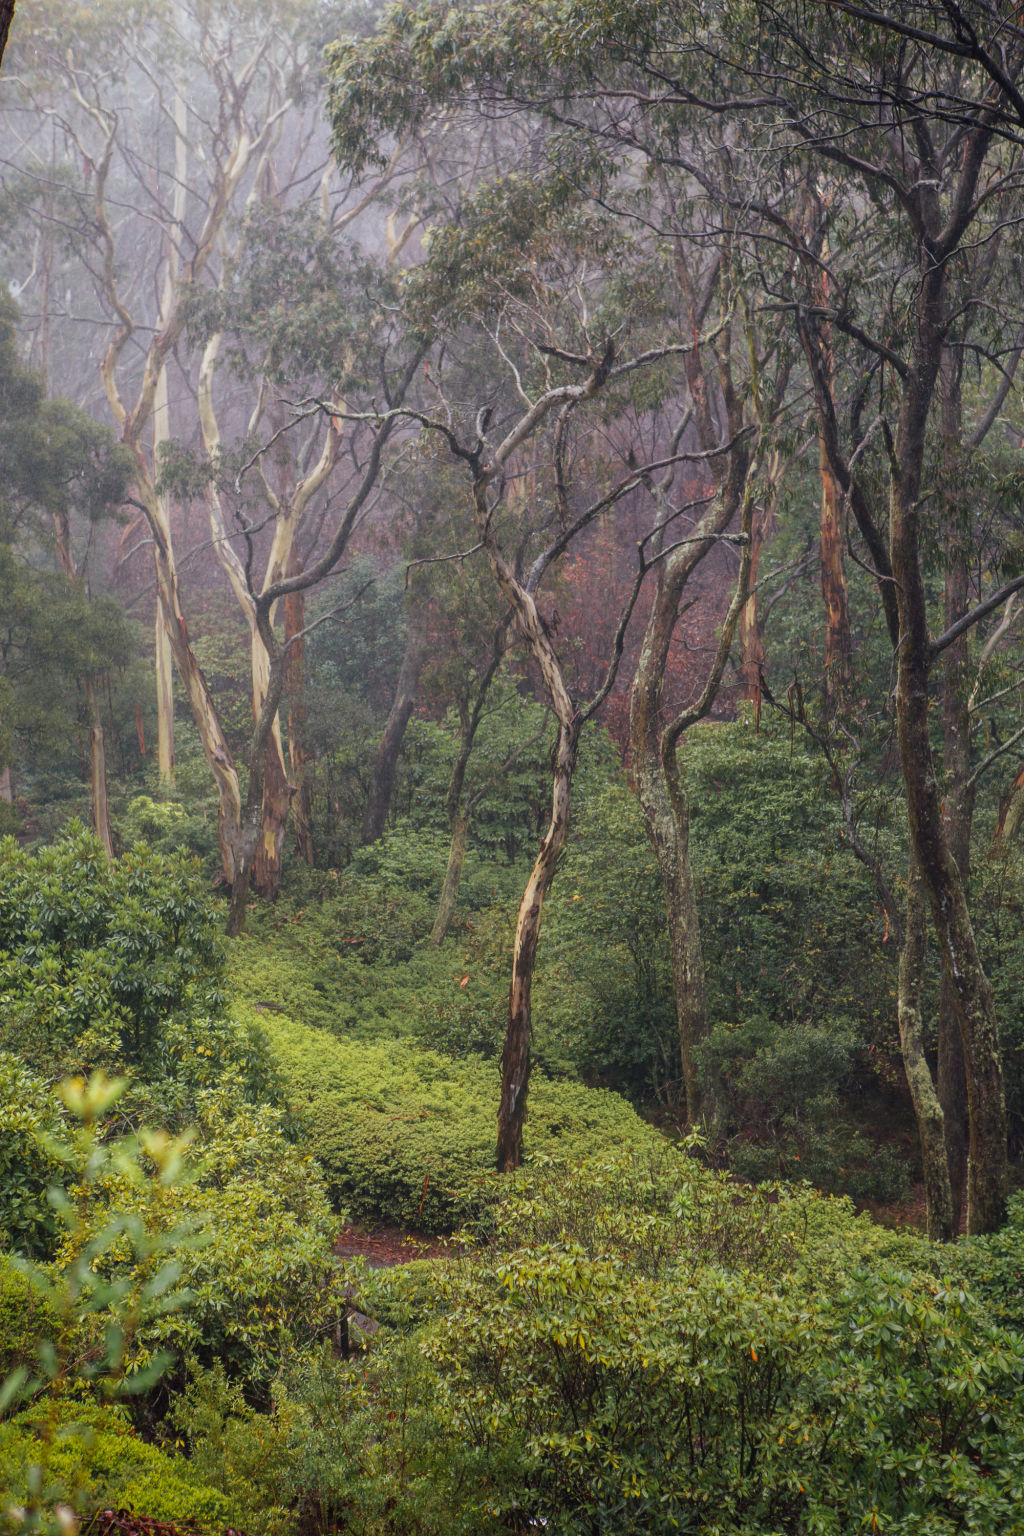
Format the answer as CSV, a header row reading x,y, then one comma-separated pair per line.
x,y
408,1136
93,1457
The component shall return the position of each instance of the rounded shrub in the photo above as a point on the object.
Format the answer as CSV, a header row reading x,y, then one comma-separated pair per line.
x,y
408,1136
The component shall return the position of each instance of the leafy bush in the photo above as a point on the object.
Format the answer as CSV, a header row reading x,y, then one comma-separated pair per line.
x,y
26,1320
408,1136
260,1278
645,1347
27,1107
96,954
97,1461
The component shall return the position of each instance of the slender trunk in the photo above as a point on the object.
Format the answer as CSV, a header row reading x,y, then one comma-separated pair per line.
x,y
663,799
942,1223
266,871
6,787
164,695
452,877
251,826
515,1058
376,814
971,992
204,712
958,816
751,635
295,694
838,646
98,769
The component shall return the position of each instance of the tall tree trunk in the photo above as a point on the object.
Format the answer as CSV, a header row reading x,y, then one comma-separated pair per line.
x,y
164,694
6,786
98,769
838,646
265,876
452,878
958,815
204,712
515,1058
295,694
751,634
971,993
942,1222
382,787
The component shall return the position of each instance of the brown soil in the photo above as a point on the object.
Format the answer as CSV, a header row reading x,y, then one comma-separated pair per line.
x,y
385,1246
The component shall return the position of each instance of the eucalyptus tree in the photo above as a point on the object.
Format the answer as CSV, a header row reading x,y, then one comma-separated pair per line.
x,y
162,119
920,141
576,72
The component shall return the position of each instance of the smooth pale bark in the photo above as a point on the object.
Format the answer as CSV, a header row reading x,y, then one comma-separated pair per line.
x,y
6,787
98,769
942,1222
295,694
515,1058
383,783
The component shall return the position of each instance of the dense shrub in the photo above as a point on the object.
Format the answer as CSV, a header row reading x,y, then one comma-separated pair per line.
x,y
96,955
260,1273
26,1321
645,1347
96,1461
27,1107
408,1136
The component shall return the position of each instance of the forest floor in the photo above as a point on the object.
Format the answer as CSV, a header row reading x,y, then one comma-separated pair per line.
x,y
385,1246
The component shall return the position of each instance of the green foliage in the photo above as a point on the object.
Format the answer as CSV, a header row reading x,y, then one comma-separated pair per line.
x,y
646,1347
96,1318
603,995
409,1137
97,956
97,1461
28,1108
260,1282
26,1320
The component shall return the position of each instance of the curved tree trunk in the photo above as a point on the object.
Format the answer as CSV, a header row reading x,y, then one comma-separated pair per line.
x,y
515,1058
452,879
958,815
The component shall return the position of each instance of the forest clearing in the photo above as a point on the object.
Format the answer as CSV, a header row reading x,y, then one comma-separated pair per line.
x,y
511,767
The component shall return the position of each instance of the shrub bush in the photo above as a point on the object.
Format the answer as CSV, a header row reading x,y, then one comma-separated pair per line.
x,y
97,1461
27,1106
408,1136
645,1347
